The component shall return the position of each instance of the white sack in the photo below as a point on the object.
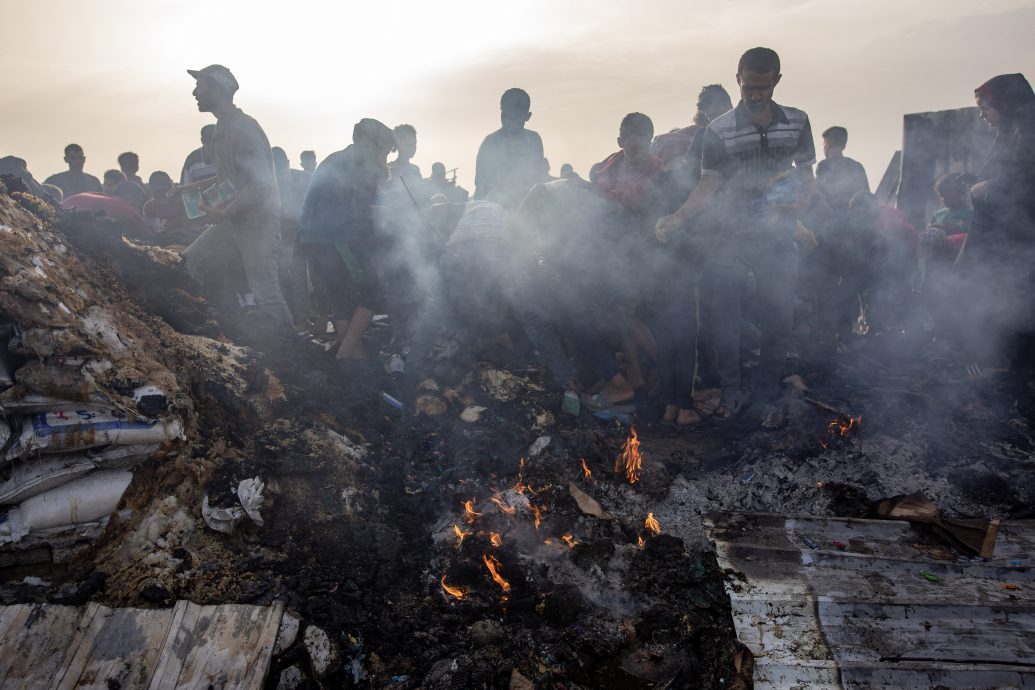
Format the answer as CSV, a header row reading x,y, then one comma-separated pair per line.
x,y
72,429
80,501
32,477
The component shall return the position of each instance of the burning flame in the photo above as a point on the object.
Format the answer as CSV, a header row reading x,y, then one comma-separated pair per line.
x,y
503,506
535,515
639,541
469,512
652,524
586,474
630,461
492,564
843,425
460,534
495,539
520,488
455,592
571,541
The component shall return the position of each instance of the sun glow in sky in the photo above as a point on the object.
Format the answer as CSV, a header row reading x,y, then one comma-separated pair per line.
x,y
110,74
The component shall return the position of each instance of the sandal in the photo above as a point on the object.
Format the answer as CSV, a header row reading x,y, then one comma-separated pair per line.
x,y
732,401
600,401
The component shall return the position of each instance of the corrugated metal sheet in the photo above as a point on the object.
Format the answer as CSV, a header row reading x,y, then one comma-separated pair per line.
x,y
188,646
817,615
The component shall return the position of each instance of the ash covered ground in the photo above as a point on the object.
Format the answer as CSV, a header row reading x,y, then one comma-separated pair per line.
x,y
365,527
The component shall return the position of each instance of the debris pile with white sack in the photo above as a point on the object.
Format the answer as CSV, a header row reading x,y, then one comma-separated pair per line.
x,y
84,393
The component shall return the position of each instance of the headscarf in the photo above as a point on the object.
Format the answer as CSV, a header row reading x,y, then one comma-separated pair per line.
x,y
1011,95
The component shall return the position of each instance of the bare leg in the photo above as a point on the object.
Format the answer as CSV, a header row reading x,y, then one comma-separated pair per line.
x,y
340,328
618,389
353,333
632,361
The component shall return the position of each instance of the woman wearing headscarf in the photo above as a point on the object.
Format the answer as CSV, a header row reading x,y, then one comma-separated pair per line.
x,y
997,262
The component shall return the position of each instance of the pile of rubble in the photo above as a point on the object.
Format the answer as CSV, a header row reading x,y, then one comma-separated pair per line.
x,y
478,537
94,388
86,395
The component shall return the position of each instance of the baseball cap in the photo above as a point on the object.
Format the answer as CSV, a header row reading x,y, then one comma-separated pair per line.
x,y
219,74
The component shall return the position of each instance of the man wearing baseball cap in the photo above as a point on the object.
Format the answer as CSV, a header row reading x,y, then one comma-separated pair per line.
x,y
245,222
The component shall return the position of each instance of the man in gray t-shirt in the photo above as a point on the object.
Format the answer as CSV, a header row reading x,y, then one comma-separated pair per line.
x,y
74,180
756,171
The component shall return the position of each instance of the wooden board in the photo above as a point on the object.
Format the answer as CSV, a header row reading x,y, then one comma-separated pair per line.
x,y
816,615
189,646
116,646
34,645
220,646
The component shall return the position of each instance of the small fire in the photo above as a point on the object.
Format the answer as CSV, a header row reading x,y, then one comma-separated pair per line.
x,y
460,534
455,592
639,541
469,512
652,524
536,517
520,488
843,425
495,539
492,564
586,474
630,461
509,510
570,540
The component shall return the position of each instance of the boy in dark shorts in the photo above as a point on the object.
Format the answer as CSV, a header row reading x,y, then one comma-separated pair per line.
x,y
337,234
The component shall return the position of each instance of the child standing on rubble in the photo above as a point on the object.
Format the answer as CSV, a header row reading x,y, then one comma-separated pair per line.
x,y
510,160
337,234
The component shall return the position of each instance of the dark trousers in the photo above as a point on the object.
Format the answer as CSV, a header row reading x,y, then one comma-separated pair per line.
x,y
675,328
758,285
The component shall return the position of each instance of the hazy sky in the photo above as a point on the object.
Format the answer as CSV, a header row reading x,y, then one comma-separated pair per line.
x,y
109,74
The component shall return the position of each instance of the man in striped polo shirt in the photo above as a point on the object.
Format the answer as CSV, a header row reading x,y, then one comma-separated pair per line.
x,y
756,172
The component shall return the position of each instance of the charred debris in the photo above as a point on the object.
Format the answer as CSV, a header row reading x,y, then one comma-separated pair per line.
x,y
479,537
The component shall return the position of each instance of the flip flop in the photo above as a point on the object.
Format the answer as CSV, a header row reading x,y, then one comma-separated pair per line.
x,y
732,402
600,401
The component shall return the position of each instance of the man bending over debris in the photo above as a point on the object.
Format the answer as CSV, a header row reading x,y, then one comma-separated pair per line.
x,y
757,163
337,234
247,224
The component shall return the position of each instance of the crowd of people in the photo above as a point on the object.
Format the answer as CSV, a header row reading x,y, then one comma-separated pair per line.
x,y
686,259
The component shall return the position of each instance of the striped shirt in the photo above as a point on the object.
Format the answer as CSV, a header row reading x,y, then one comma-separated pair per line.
x,y
749,158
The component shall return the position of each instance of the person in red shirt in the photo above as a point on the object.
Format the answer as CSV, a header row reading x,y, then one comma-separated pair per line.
x,y
627,175
117,209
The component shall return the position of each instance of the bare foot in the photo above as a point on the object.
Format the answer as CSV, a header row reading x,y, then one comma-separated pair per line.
x,y
618,394
687,417
670,413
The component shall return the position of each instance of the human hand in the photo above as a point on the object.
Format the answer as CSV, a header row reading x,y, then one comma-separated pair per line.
x,y
979,192
213,214
665,226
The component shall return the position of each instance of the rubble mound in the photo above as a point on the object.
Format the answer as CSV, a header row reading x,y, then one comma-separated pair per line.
x,y
280,475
